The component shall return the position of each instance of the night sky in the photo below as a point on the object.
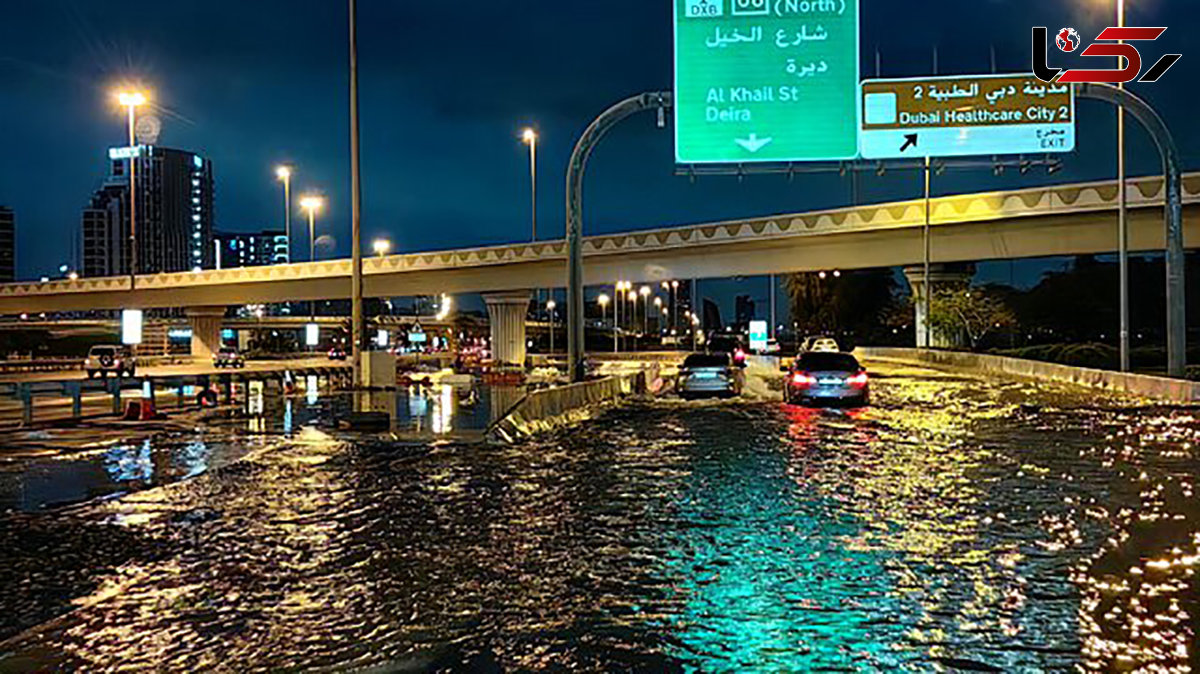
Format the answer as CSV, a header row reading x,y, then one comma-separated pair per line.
x,y
446,88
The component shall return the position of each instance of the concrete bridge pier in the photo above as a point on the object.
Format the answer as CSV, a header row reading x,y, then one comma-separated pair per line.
x,y
939,275
206,330
508,312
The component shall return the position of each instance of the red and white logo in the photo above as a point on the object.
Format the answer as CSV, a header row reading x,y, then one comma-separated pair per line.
x,y
1068,40
1111,42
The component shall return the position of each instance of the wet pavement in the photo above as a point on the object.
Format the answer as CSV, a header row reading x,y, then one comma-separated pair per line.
x,y
957,525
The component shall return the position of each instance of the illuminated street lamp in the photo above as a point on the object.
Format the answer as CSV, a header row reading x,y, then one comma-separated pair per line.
x,y
550,307
284,174
644,291
311,204
530,138
381,247
674,305
132,100
603,301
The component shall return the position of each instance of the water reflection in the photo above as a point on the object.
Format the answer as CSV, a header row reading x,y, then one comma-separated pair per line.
x,y
129,463
956,526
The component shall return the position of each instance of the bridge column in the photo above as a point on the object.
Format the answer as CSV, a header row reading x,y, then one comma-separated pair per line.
x,y
508,312
206,330
939,275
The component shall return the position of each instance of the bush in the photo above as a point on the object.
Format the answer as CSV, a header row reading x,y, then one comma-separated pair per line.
x,y
1093,355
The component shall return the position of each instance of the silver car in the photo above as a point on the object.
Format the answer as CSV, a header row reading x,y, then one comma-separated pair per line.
x,y
822,378
710,374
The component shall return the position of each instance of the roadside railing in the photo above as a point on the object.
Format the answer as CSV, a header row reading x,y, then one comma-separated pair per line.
x,y
185,387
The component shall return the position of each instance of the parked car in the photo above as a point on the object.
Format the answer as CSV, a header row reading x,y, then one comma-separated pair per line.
x,y
820,345
710,374
729,344
337,353
103,360
820,377
228,357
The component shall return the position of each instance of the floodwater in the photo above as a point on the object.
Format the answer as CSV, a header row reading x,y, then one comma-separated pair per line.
x,y
957,525
60,468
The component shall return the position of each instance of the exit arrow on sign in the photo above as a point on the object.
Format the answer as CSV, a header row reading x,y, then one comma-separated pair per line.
x,y
753,143
910,140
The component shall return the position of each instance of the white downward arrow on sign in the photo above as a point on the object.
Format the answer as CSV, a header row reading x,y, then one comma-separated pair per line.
x,y
753,143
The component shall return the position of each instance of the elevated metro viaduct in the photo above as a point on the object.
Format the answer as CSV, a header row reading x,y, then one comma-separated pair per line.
x,y
1072,219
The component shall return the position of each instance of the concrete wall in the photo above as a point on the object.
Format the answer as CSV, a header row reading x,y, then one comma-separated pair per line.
x,y
1156,388
561,406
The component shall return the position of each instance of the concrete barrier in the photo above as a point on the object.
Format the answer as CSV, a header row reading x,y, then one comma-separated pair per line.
x,y
553,408
1156,388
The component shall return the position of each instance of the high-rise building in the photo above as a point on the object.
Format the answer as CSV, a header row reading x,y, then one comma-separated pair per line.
x,y
254,249
8,245
174,214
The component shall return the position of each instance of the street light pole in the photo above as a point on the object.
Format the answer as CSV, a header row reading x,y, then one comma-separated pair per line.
x,y
928,299
312,204
133,161
131,101
530,138
645,293
550,306
356,284
284,173
1122,213
312,255
618,297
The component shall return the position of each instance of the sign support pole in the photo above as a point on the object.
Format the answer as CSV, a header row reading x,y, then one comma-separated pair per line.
x,y
928,298
1173,216
661,100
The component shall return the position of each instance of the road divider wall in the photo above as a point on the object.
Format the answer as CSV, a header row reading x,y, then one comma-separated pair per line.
x,y
561,406
1156,388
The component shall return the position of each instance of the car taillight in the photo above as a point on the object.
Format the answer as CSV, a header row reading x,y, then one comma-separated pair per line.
x,y
739,355
803,379
859,380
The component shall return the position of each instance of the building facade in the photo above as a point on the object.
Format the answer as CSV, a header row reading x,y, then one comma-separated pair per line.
x,y
174,214
253,249
8,245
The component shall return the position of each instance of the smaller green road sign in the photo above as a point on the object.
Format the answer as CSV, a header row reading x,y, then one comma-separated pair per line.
x,y
766,80
966,115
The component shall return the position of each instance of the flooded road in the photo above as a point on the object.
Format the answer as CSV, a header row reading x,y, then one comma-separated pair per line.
x,y
957,525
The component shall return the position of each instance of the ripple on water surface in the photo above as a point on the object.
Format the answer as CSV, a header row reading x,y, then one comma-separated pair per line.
x,y
955,525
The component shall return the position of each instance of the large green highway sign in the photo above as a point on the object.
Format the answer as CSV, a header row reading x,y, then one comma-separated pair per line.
x,y
766,80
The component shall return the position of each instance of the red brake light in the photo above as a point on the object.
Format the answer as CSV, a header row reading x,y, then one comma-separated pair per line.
x,y
859,380
803,379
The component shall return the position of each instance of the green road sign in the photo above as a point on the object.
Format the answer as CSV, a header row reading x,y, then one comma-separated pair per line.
x,y
766,80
